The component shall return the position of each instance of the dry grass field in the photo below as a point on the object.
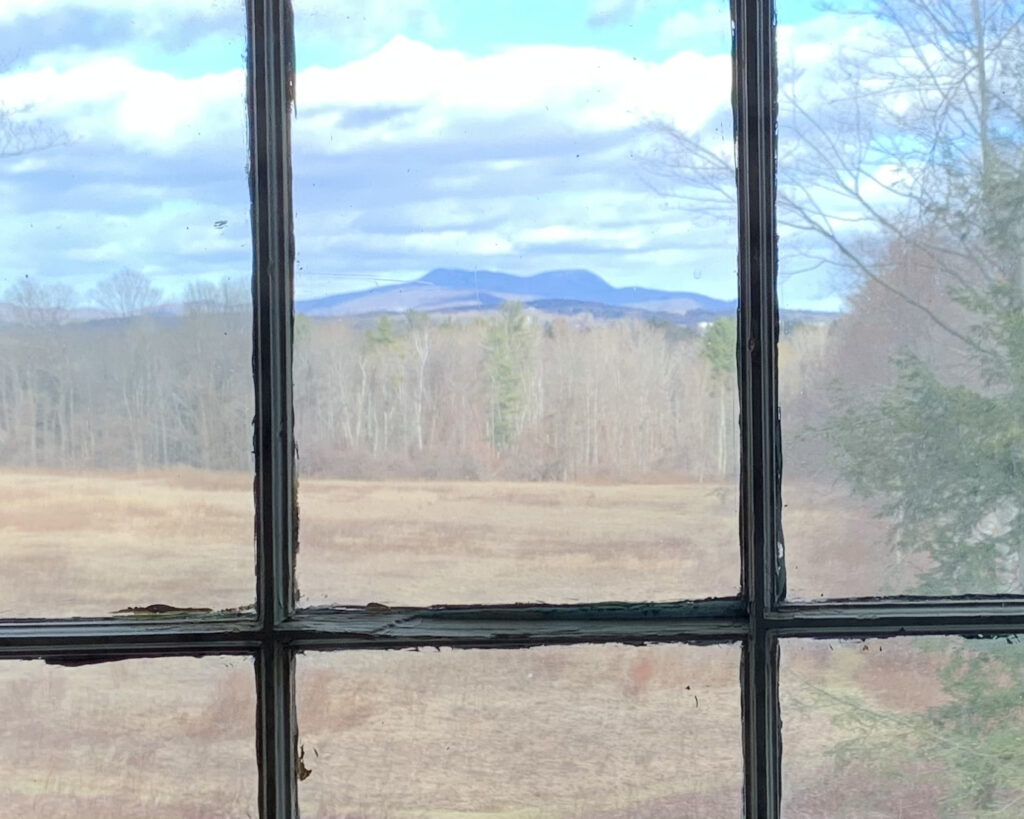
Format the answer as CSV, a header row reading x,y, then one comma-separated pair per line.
x,y
86,544
167,739
428,542
602,732
580,731
611,732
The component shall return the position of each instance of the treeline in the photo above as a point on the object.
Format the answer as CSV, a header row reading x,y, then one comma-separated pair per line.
x,y
517,394
128,393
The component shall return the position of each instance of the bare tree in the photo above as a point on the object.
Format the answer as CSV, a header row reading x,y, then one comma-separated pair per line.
x,y
36,304
128,293
226,296
21,133
919,122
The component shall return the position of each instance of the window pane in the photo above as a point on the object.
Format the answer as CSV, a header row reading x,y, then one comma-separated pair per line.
x,y
515,339
610,731
924,726
164,739
125,325
901,160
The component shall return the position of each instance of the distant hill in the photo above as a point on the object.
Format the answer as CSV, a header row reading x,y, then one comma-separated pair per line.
x,y
449,291
566,292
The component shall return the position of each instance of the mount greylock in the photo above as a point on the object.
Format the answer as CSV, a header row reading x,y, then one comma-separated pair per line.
x,y
565,292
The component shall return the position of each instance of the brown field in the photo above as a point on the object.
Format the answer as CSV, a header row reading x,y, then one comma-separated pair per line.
x,y
580,731
87,544
168,738
589,731
428,542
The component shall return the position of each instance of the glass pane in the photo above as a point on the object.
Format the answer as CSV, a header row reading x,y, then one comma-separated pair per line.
x,y
515,338
164,739
580,731
125,331
924,726
901,160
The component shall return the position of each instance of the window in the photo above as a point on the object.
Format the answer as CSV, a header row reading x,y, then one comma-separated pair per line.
x,y
348,647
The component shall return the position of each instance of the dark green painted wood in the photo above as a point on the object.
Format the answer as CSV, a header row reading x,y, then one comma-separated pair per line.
x,y
754,113
271,55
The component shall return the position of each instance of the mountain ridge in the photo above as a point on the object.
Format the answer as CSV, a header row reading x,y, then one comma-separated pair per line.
x,y
566,291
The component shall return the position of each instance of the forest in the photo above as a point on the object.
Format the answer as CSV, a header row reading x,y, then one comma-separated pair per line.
x,y
512,394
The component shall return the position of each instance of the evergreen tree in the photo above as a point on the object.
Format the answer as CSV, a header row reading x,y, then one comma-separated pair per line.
x,y
719,350
941,446
506,353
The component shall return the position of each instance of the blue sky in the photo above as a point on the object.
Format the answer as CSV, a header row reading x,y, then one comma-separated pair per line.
x,y
512,135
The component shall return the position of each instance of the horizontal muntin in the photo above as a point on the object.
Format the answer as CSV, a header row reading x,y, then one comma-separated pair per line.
x,y
374,626
716,620
81,640
967,615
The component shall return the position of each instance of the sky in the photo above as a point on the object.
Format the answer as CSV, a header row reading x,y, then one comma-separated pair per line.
x,y
511,135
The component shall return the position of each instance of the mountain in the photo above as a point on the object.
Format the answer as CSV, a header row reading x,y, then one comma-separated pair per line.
x,y
568,292
451,291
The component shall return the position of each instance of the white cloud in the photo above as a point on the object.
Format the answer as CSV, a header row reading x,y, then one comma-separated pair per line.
x,y
27,164
608,237
811,48
433,92
364,25
453,244
709,25
111,98
519,160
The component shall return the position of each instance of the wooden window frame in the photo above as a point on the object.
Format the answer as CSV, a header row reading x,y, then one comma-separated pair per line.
x,y
757,619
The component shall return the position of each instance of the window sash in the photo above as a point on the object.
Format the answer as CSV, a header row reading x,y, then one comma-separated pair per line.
x,y
276,631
